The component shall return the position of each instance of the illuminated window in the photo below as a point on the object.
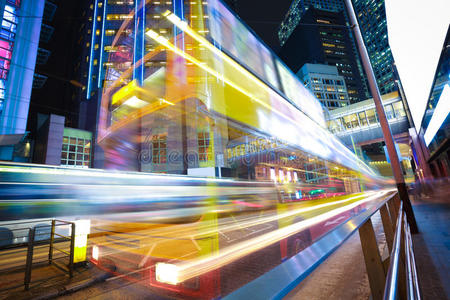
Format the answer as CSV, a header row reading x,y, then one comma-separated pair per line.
x,y
159,149
96,46
351,121
95,62
398,109
389,111
204,149
76,152
362,118
99,18
110,32
329,45
371,117
97,32
115,17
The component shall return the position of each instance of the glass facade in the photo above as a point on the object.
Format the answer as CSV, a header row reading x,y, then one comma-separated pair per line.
x,y
76,148
394,111
372,22
190,88
7,37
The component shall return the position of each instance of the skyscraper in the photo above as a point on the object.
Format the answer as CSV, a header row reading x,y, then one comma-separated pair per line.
x,y
372,21
295,14
321,37
326,84
298,8
19,39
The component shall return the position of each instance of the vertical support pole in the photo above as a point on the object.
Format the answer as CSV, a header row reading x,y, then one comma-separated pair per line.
x,y
29,263
52,239
72,250
390,145
393,213
387,226
374,265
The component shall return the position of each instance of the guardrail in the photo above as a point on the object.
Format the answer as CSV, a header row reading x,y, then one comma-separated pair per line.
x,y
395,284
38,235
393,277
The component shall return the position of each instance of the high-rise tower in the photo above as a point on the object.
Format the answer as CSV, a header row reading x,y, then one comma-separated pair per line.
x,y
372,21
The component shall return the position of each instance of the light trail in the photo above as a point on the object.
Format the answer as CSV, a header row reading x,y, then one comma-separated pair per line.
x,y
190,269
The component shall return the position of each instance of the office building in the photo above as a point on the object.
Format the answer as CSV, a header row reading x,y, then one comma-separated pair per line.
x,y
372,22
298,9
358,127
326,84
19,38
321,37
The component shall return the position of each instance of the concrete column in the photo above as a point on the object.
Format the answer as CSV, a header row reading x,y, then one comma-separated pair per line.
x,y
416,143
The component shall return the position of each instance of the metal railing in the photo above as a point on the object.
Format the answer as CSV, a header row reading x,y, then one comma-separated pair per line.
x,y
38,234
402,245
390,274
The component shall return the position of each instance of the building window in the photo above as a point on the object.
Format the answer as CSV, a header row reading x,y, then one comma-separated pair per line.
x,y
116,17
362,118
371,117
351,121
76,152
389,111
398,109
159,148
204,149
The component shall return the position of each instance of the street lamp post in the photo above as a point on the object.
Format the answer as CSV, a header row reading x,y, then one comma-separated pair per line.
x,y
395,163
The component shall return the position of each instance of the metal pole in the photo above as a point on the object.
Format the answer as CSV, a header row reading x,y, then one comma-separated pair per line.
x,y
52,240
395,164
72,250
29,263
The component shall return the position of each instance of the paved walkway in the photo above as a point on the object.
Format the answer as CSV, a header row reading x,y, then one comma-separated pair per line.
x,y
343,274
47,281
432,244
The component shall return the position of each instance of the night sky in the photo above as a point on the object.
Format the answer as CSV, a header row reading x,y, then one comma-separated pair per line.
x,y
264,17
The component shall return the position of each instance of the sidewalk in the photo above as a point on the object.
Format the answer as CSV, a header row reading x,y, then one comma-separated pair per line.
x,y
343,274
432,244
47,281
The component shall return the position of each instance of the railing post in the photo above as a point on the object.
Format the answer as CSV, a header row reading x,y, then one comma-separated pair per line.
x,y
29,263
393,212
52,239
374,265
387,226
72,250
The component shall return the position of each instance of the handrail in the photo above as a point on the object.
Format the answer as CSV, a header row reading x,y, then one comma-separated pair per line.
x,y
390,289
279,281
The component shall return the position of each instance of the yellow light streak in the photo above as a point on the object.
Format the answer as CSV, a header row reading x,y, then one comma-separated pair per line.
x,y
205,43
197,267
